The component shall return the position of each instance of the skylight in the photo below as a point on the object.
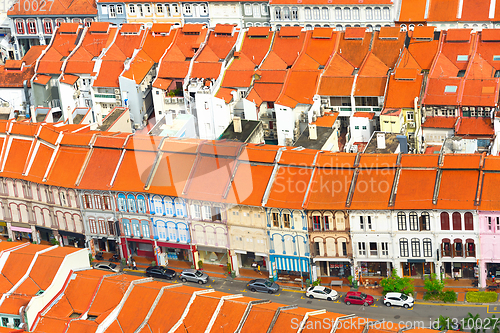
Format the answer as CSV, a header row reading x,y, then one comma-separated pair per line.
x,y
450,89
462,57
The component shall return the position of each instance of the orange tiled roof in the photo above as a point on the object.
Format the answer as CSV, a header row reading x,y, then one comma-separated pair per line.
x,y
453,194
281,196
474,127
58,7
439,122
412,11
329,188
442,10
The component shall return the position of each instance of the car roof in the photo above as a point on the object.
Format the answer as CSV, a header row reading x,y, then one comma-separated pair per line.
x,y
189,270
393,294
319,288
260,280
353,293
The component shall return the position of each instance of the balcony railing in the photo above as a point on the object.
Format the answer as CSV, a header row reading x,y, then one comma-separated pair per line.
x,y
101,95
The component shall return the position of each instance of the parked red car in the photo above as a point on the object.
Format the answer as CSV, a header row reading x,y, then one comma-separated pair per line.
x,y
356,297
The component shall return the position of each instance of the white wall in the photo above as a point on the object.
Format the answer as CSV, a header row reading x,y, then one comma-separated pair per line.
x,y
74,261
68,103
15,97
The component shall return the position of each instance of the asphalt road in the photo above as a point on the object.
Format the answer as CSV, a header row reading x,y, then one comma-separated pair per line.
x,y
423,314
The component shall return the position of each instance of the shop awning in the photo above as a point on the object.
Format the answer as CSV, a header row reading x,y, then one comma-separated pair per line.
x,y
211,249
331,259
240,251
19,229
284,263
174,245
416,261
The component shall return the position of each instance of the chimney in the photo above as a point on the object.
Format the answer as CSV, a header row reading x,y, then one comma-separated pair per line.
x,y
237,124
380,140
403,144
313,134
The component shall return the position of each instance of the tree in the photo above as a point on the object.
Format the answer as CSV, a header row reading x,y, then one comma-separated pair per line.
x,y
395,283
434,285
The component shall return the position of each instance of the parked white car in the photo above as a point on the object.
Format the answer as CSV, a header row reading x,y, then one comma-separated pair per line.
x,y
322,293
398,299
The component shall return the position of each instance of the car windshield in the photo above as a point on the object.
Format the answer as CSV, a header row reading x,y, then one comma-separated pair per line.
x,y
404,297
268,283
363,295
198,274
327,290
112,265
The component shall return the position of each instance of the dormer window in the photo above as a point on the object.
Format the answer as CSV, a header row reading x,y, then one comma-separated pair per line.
x,y
462,57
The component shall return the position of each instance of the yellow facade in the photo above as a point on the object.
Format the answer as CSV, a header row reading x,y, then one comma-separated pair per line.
x,y
154,13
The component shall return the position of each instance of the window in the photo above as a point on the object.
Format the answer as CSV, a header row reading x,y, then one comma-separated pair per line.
x,y
102,227
469,222
413,221
458,249
489,223
369,13
307,13
409,116
5,321
384,249
316,13
93,226
87,201
377,13
445,221
104,9
457,221
326,221
347,14
498,223
496,58
126,227
403,247
276,219
425,221
76,20
286,13
97,202
344,248
324,14
364,127
111,227
248,9
175,9
356,127
121,204
386,13
112,11
373,248
446,248
107,202
131,9
17,322
450,89
148,9
470,248
365,222
19,27
415,247
88,22
427,245
277,13
401,221
216,216
338,14
462,57
31,26
206,213
355,14
195,211
295,13
59,21
362,249
119,9
286,220
187,9
141,204
145,230
203,10
316,223
131,204
47,26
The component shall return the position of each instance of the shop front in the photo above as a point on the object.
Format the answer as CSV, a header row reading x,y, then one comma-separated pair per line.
x,y
417,268
72,239
212,255
466,270
333,268
21,231
44,234
288,266
173,251
375,268
138,247
247,259
3,229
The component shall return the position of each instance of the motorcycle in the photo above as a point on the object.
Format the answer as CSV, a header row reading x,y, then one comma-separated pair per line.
x,y
115,258
99,256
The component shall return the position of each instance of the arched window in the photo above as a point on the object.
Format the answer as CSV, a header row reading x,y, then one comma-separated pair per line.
x,y
412,26
338,14
403,27
369,27
445,221
425,221
457,221
386,13
369,13
286,13
458,250
141,204
347,14
413,221
415,247
470,248
401,221
377,14
446,248
377,27
355,14
469,222
316,13
324,14
338,27
403,247
427,245
131,203
277,13
307,12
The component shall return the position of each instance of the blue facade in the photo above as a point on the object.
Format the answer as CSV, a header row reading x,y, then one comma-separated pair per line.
x,y
132,203
195,12
169,219
287,263
111,12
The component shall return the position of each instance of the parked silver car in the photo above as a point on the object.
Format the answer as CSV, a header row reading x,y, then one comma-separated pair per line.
x,y
192,275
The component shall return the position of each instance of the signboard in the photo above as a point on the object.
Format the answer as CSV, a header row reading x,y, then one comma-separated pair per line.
x,y
356,273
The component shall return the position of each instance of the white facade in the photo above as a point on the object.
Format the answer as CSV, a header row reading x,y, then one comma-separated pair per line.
x,y
225,13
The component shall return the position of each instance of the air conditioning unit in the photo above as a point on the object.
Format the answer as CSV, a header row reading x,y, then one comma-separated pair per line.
x,y
465,108
117,91
76,94
265,126
487,109
118,97
288,142
180,100
136,126
267,133
411,124
334,108
313,119
472,108
168,100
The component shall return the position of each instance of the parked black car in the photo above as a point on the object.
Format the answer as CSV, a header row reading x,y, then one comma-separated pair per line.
x,y
160,272
263,285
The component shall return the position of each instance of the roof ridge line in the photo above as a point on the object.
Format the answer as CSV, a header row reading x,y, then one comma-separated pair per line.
x,y
217,310
188,307
247,312
276,315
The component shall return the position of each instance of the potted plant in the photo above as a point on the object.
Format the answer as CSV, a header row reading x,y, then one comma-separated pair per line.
x,y
350,278
200,265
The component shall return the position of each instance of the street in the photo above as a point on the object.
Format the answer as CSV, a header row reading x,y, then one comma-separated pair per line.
x,y
421,315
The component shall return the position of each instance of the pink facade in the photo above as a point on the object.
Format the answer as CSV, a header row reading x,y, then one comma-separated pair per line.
x,y
489,244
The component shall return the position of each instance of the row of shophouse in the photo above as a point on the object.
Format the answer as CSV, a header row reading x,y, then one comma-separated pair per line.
x,y
292,211
426,85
